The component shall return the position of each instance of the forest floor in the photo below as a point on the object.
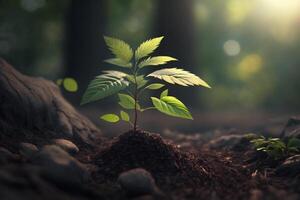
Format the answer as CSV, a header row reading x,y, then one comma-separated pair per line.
x,y
50,151
213,165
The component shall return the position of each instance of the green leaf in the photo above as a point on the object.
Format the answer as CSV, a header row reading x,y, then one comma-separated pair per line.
x,y
70,84
119,62
141,81
127,101
119,48
171,106
164,93
294,143
115,74
178,76
155,86
105,85
147,47
110,118
157,60
59,81
124,116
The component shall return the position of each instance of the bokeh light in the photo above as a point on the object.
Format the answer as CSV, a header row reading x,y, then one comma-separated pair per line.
x,y
280,19
238,10
32,5
249,66
232,47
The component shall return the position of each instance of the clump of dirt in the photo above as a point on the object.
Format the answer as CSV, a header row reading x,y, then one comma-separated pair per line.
x,y
203,173
149,151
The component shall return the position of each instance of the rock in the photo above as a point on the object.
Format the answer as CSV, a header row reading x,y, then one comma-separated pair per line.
x,y
28,149
229,142
66,145
25,182
292,128
144,197
59,166
6,156
256,194
290,167
138,182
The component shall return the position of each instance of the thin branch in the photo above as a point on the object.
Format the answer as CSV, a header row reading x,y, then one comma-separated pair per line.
x,y
149,108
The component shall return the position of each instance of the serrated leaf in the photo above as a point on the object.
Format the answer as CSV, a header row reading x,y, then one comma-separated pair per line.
x,y
102,86
294,143
130,78
119,62
147,47
164,93
127,101
115,74
119,48
157,60
171,106
178,76
155,86
141,81
110,118
124,116
70,84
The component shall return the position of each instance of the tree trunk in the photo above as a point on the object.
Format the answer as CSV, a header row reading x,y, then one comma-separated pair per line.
x,y
36,105
84,44
176,22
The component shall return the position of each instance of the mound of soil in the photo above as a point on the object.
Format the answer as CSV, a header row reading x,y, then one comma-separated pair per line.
x,y
174,170
149,151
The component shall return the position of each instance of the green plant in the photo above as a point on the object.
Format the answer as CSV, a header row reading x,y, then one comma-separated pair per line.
x,y
134,82
69,84
275,147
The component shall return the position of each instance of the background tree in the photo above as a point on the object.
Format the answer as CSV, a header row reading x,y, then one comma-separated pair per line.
x,y
175,19
84,46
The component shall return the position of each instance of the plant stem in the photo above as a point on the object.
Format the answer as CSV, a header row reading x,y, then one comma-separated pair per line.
x,y
135,107
135,98
149,108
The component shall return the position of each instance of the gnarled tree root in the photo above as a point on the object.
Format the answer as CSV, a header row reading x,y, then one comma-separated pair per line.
x,y
37,105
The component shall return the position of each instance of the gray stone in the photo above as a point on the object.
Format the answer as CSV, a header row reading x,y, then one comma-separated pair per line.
x,y
256,194
59,166
290,167
292,128
228,142
6,156
28,149
138,182
144,197
26,182
66,145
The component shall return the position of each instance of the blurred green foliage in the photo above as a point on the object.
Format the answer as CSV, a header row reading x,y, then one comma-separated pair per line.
x,y
248,50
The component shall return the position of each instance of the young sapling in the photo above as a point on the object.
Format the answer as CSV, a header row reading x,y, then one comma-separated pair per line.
x,y
133,82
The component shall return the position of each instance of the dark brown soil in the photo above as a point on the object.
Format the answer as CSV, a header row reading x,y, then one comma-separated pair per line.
x,y
192,173
198,175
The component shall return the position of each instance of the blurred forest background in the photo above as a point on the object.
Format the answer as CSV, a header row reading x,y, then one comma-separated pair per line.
x,y
247,50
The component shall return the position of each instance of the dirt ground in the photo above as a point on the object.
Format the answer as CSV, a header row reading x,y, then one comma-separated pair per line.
x,y
193,166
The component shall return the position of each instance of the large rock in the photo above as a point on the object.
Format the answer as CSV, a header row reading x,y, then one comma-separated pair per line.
x,y
292,128
137,182
290,167
27,149
66,145
229,142
6,156
59,166
26,182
